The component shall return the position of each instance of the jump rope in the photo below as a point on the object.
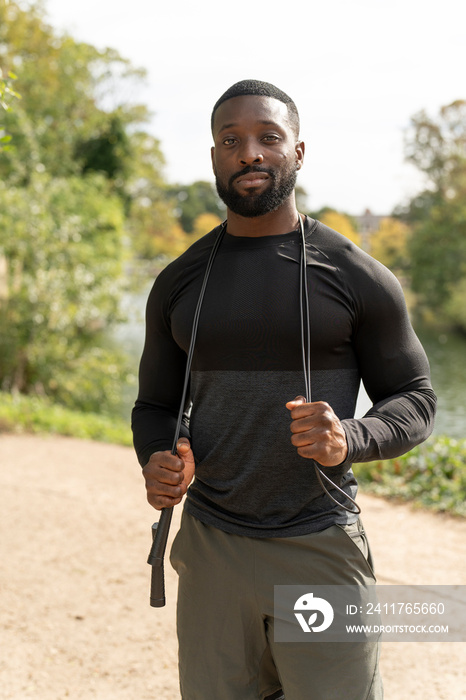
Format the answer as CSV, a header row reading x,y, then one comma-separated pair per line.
x,y
161,529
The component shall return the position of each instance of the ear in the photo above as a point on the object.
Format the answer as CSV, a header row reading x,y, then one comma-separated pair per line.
x,y
212,156
299,150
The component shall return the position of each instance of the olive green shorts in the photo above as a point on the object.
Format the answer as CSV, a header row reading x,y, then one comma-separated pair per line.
x,y
225,617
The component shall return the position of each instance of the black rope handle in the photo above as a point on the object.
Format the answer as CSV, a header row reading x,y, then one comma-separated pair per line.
x,y
161,529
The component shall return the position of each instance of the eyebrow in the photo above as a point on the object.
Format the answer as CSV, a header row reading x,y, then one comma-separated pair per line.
x,y
265,122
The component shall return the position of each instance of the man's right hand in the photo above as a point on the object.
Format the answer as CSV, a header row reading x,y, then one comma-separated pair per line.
x,y
168,476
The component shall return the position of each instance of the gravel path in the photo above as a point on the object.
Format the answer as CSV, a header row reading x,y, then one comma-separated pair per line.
x,y
75,620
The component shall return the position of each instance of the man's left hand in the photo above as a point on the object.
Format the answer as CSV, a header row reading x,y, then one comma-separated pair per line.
x,y
317,432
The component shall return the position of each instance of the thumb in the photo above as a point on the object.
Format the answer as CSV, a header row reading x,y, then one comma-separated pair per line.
x,y
296,402
183,447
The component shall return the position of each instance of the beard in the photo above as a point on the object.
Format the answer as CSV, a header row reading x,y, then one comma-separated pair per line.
x,y
282,184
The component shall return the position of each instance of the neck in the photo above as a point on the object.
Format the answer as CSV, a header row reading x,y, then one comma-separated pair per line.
x,y
274,223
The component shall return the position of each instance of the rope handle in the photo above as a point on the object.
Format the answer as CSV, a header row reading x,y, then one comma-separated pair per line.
x,y
161,529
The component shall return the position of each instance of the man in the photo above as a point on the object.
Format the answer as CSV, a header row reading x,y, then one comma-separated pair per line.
x,y
256,515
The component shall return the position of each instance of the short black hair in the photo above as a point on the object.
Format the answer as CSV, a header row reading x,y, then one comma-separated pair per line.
x,y
259,87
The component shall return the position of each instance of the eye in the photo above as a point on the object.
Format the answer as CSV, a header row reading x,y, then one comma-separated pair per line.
x,y
229,141
271,138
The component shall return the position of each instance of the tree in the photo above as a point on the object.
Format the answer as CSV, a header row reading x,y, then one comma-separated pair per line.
x,y
437,246
389,244
438,149
108,152
192,200
155,232
79,177
62,281
203,224
7,94
153,223
438,257
339,222
69,95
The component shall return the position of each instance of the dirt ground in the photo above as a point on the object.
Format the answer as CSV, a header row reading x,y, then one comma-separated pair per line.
x,y
75,620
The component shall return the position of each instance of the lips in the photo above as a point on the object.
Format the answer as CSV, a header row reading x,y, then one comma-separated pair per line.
x,y
252,179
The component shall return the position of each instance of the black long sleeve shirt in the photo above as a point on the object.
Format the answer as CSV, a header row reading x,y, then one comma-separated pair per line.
x,y
248,363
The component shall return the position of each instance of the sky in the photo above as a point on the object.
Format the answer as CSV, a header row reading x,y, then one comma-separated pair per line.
x,y
358,70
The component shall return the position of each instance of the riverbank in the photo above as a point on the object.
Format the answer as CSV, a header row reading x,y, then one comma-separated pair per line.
x,y
75,619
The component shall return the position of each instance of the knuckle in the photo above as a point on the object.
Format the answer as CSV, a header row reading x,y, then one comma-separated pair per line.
x,y
298,411
176,465
163,502
158,489
327,422
172,478
153,501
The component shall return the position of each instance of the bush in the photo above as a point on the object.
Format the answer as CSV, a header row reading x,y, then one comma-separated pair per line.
x,y
38,415
432,475
61,281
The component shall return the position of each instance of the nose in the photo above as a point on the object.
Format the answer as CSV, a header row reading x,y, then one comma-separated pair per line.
x,y
250,152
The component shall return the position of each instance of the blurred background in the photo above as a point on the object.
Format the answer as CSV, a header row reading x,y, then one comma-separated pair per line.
x,y
105,174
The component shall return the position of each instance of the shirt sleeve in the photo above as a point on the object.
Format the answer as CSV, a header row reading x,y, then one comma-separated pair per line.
x,y
161,377
395,372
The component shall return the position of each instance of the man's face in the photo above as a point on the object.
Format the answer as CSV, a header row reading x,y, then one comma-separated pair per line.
x,y
256,154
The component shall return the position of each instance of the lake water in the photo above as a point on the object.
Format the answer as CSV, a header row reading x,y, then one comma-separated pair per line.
x,y
446,353
447,357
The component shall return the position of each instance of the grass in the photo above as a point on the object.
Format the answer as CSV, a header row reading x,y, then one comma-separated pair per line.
x,y
31,414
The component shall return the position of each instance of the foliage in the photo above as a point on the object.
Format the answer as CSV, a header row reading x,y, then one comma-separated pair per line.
x,y
38,415
152,224
389,244
438,245
154,232
70,92
7,94
62,252
455,305
192,200
78,177
438,252
165,220
107,152
75,119
339,222
438,148
432,475
6,91
203,224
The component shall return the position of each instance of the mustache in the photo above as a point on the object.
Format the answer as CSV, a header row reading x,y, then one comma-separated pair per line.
x,y
250,169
